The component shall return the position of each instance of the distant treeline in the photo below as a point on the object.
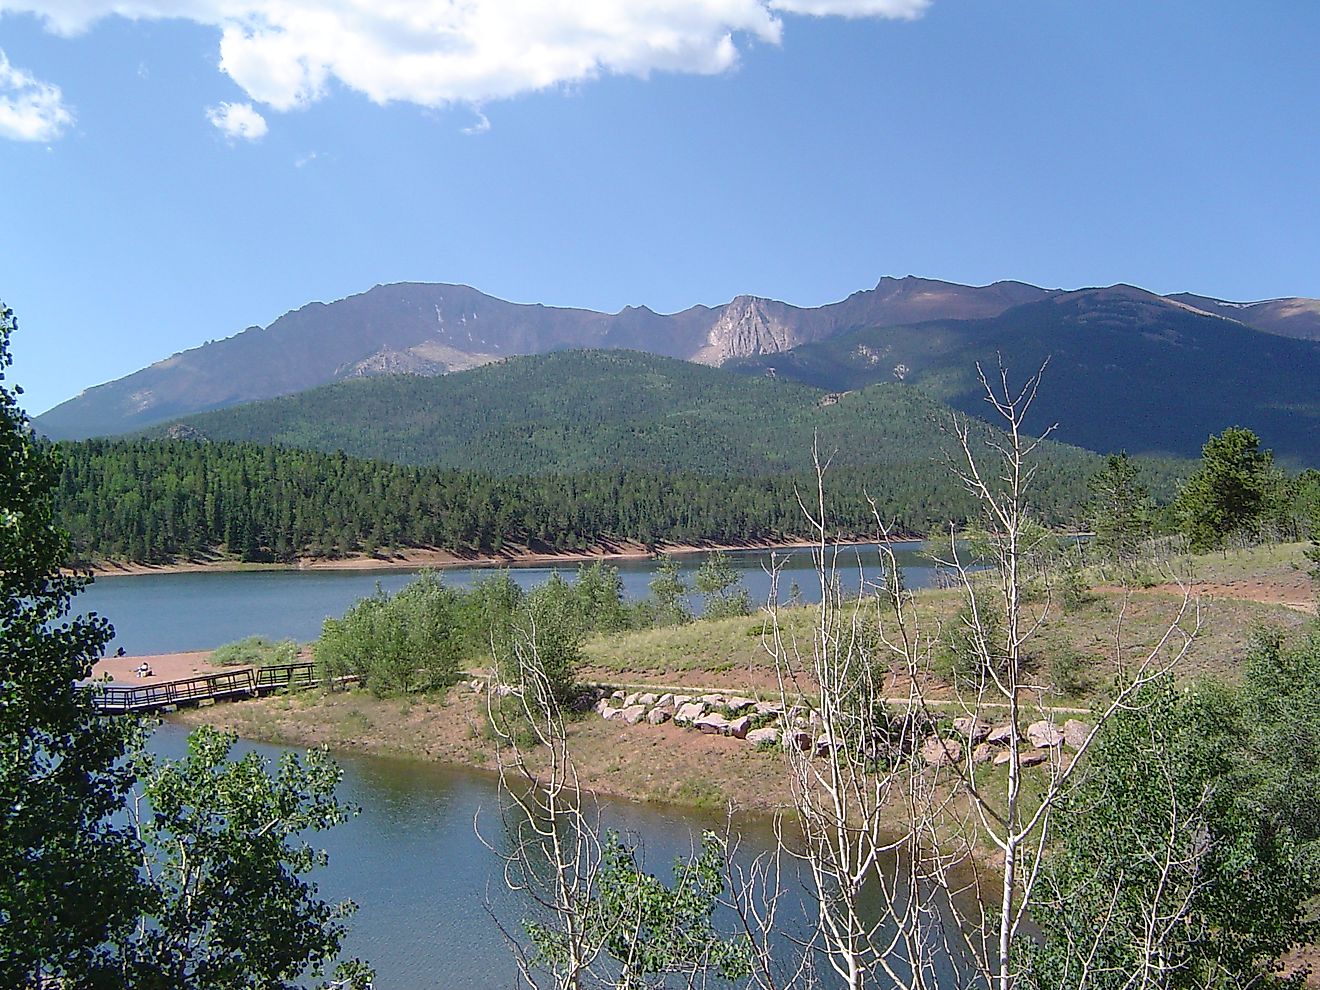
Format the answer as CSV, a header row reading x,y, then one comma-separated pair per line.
x,y
155,501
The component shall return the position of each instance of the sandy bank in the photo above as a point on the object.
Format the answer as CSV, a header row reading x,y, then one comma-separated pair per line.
x,y
164,667
414,558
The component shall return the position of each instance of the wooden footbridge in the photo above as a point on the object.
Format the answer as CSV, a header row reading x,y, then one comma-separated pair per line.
x,y
242,682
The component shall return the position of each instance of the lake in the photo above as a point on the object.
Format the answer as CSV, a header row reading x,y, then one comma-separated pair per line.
x,y
172,613
422,878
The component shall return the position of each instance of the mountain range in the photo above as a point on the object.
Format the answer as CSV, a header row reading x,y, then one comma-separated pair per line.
x,y
1129,368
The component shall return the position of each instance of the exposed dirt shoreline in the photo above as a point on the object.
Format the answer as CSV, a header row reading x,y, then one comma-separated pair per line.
x,y
418,557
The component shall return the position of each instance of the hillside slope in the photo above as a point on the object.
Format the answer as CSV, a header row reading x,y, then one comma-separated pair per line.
x,y
1288,317
582,411
1127,369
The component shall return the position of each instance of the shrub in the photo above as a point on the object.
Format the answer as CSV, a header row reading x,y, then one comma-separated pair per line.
x,y
1069,670
255,651
401,643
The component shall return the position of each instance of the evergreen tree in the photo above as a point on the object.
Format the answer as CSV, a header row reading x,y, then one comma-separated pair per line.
x,y
1119,509
1227,496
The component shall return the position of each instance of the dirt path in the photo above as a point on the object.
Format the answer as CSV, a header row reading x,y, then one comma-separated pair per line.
x,y
1297,595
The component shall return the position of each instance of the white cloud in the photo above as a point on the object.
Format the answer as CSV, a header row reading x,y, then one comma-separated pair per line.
x,y
30,110
479,126
237,120
284,53
905,10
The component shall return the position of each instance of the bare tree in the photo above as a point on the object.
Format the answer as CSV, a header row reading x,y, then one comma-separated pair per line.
x,y
553,856
601,921
898,817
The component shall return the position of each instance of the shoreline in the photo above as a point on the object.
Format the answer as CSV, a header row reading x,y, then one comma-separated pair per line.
x,y
432,557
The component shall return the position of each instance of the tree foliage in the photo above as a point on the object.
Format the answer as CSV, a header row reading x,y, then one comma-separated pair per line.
x,y
195,883
154,501
552,621
669,592
69,878
1119,510
1228,496
406,642
721,588
1196,870
653,929
226,857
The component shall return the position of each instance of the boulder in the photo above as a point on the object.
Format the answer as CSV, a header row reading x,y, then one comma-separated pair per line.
x,y
941,752
1044,734
1075,733
713,723
768,708
477,686
824,744
631,700
632,714
758,737
609,713
799,739
600,705
971,728
1000,735
714,700
740,726
659,714
983,753
617,695
681,699
737,704
507,691
689,713
1026,758
646,698
667,700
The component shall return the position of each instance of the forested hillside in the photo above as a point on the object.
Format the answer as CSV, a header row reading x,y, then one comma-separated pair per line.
x,y
583,411
1127,369
155,500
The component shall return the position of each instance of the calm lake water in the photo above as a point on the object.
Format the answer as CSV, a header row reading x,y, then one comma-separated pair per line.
x,y
169,613
422,879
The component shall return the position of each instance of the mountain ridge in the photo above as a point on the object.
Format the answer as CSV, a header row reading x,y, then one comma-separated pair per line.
x,y
439,328
1127,369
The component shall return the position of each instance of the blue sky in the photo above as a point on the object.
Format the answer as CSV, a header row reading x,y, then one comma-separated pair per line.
x,y
168,181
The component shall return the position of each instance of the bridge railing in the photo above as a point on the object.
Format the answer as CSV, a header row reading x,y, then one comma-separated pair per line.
x,y
242,682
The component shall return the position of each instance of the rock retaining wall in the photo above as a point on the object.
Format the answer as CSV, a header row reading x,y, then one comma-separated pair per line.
x,y
765,723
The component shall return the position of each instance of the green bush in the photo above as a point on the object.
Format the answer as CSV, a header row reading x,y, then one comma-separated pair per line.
x,y
549,629
1069,670
403,643
255,651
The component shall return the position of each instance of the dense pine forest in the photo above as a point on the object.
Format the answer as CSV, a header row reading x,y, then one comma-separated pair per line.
x,y
571,412
511,456
155,501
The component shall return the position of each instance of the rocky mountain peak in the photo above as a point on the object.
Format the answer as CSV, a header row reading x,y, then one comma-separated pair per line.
x,y
744,327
